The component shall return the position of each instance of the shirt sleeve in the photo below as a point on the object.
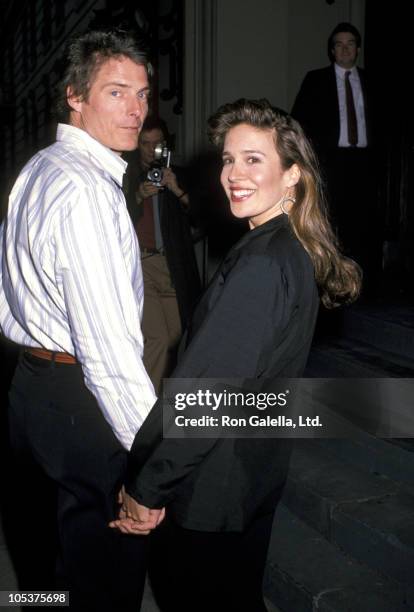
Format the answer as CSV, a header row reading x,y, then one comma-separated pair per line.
x,y
228,344
103,309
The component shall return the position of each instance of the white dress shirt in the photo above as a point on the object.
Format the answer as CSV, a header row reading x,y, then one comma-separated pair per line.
x,y
71,276
358,103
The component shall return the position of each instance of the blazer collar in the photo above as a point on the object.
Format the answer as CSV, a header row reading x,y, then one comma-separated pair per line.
x,y
274,223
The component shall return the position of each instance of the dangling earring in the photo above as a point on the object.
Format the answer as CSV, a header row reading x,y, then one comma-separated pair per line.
x,y
286,199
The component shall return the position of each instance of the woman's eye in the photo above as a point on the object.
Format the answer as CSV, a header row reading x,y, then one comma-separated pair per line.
x,y
253,160
227,161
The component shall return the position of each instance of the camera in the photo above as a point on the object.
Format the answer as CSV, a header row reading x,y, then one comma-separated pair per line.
x,y
162,160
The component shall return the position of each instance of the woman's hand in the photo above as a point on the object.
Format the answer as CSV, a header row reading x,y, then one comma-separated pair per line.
x,y
134,518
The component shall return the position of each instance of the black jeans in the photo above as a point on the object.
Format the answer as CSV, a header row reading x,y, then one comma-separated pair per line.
x,y
209,571
55,422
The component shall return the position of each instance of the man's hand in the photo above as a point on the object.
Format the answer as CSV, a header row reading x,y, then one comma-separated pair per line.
x,y
134,518
146,190
169,180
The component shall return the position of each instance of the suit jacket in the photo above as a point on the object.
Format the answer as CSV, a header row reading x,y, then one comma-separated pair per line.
x,y
317,108
255,321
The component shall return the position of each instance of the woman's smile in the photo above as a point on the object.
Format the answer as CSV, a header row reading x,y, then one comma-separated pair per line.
x,y
240,195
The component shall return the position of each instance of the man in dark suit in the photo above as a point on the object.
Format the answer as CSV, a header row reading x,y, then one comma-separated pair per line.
x,y
334,106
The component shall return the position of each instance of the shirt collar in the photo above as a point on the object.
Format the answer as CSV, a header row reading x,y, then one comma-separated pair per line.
x,y
341,71
112,163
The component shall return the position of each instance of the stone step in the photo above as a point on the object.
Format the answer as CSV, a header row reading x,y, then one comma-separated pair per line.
x,y
344,357
387,327
392,458
318,482
306,573
368,515
370,408
379,533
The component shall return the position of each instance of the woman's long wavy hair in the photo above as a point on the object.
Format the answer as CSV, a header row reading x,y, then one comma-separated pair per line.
x,y
338,278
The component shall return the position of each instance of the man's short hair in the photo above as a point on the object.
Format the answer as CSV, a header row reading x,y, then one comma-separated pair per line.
x,y
84,55
344,26
152,122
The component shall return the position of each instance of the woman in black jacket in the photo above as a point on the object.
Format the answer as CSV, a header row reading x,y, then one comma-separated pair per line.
x,y
255,321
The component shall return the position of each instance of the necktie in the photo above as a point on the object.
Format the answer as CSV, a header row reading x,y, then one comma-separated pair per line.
x,y
350,112
145,227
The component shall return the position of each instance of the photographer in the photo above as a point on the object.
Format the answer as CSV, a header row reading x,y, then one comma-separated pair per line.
x,y
158,204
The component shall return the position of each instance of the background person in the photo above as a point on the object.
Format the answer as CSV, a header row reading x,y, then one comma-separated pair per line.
x,y
255,321
71,295
171,280
335,108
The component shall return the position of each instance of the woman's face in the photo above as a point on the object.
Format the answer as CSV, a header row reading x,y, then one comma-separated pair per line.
x,y
252,175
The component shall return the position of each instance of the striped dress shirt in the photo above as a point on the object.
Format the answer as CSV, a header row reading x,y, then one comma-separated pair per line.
x,y
71,276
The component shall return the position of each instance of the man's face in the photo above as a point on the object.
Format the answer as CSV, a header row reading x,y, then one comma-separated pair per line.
x,y
116,106
148,140
345,50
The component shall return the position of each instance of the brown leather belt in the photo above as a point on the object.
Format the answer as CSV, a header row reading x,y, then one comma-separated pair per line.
x,y
51,355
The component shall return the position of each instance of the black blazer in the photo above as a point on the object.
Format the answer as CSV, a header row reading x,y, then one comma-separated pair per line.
x,y
256,320
317,108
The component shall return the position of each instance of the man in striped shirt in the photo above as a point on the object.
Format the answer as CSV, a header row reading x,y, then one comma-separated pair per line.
x,y
71,294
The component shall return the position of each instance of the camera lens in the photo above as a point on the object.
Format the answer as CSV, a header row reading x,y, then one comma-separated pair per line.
x,y
154,175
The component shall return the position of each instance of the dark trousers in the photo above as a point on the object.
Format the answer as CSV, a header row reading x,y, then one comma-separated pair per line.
x,y
56,424
209,571
355,209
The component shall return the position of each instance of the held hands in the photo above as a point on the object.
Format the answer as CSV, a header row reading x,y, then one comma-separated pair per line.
x,y
134,518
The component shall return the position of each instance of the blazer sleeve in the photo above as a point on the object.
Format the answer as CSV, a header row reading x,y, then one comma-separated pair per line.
x,y
316,108
253,297
305,102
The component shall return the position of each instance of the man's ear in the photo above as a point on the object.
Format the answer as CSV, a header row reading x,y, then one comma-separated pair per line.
x,y
74,101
